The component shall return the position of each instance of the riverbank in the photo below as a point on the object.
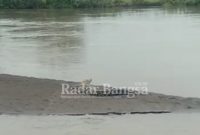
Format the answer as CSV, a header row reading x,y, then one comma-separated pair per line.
x,y
33,96
30,4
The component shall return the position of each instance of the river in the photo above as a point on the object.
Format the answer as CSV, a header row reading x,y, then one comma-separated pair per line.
x,y
117,46
165,124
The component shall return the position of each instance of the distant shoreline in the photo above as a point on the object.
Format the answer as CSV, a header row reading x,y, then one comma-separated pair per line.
x,y
34,96
57,4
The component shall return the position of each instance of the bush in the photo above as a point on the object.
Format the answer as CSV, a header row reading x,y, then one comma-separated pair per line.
x,y
89,3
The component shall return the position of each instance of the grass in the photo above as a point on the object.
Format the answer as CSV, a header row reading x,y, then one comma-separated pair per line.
x,y
89,3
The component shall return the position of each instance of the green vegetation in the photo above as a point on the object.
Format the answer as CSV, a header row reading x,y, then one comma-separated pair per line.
x,y
90,3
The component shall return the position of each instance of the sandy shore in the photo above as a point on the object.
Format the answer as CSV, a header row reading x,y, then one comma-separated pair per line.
x,y
33,96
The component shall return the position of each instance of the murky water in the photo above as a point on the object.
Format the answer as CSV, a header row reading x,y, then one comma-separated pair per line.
x,y
116,46
173,124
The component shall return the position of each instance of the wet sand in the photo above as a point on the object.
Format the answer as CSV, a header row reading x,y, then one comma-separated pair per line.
x,y
34,96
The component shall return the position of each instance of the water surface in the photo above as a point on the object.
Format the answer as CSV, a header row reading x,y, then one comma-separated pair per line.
x,y
116,46
165,124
